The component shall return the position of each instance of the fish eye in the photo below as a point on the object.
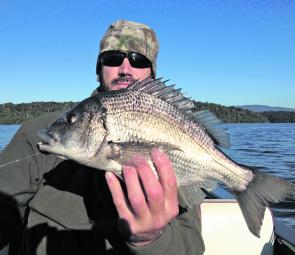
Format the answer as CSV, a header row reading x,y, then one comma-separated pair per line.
x,y
71,118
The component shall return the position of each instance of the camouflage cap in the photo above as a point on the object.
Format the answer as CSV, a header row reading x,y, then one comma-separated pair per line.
x,y
127,35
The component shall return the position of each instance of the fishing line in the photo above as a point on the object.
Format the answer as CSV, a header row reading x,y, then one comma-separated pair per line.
x,y
17,160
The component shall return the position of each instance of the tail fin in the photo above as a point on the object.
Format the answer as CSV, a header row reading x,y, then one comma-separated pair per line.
x,y
262,191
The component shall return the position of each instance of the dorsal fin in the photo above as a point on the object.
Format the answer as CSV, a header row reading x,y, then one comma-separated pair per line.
x,y
174,96
210,122
159,89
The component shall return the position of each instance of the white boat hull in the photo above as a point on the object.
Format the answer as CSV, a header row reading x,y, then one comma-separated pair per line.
x,y
225,231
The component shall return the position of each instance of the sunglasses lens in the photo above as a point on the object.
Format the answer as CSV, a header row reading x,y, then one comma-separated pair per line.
x,y
138,61
112,58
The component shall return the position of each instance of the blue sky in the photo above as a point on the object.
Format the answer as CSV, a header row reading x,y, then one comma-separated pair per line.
x,y
224,52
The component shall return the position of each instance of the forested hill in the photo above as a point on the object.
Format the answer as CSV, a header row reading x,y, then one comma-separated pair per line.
x,y
231,114
238,115
18,113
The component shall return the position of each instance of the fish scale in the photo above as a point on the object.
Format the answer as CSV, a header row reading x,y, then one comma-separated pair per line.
x,y
134,124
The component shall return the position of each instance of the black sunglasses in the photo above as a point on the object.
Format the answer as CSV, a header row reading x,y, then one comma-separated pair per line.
x,y
116,58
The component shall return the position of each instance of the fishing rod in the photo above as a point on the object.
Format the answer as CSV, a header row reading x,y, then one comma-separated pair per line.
x,y
17,160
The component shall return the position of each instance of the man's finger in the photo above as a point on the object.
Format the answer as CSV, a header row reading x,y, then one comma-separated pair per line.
x,y
118,196
152,187
135,193
166,175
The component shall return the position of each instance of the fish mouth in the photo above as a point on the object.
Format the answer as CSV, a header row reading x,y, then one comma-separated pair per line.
x,y
49,140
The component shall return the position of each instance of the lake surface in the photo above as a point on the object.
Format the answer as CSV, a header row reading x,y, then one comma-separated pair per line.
x,y
6,133
271,147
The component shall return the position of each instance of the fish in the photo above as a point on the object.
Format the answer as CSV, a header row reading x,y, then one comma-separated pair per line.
x,y
105,130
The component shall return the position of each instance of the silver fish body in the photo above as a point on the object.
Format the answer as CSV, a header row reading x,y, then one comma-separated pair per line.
x,y
105,130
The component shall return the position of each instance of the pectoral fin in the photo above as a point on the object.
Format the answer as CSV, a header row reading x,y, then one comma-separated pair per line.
x,y
122,152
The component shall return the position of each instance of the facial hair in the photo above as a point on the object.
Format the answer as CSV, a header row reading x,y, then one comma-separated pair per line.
x,y
122,79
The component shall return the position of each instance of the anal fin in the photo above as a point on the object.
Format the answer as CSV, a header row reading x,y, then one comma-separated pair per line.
x,y
191,194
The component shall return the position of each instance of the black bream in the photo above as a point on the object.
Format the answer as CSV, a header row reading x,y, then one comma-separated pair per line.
x,y
105,130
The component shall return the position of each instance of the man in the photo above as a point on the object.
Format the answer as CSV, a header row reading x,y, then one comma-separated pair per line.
x,y
72,209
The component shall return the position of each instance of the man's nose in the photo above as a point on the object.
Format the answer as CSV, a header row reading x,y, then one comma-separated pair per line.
x,y
125,67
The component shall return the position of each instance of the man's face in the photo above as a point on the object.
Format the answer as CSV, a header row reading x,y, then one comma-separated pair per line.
x,y
119,77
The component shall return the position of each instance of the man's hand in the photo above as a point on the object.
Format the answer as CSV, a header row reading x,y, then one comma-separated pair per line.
x,y
151,203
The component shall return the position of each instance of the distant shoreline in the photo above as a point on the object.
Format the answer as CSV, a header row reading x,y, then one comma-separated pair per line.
x,y
18,113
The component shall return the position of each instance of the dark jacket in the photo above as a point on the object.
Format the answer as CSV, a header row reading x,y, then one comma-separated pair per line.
x,y
66,208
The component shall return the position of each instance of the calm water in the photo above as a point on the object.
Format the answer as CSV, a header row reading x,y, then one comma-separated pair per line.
x,y
268,146
271,147
6,133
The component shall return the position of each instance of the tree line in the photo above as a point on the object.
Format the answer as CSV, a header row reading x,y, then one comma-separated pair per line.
x,y
18,113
